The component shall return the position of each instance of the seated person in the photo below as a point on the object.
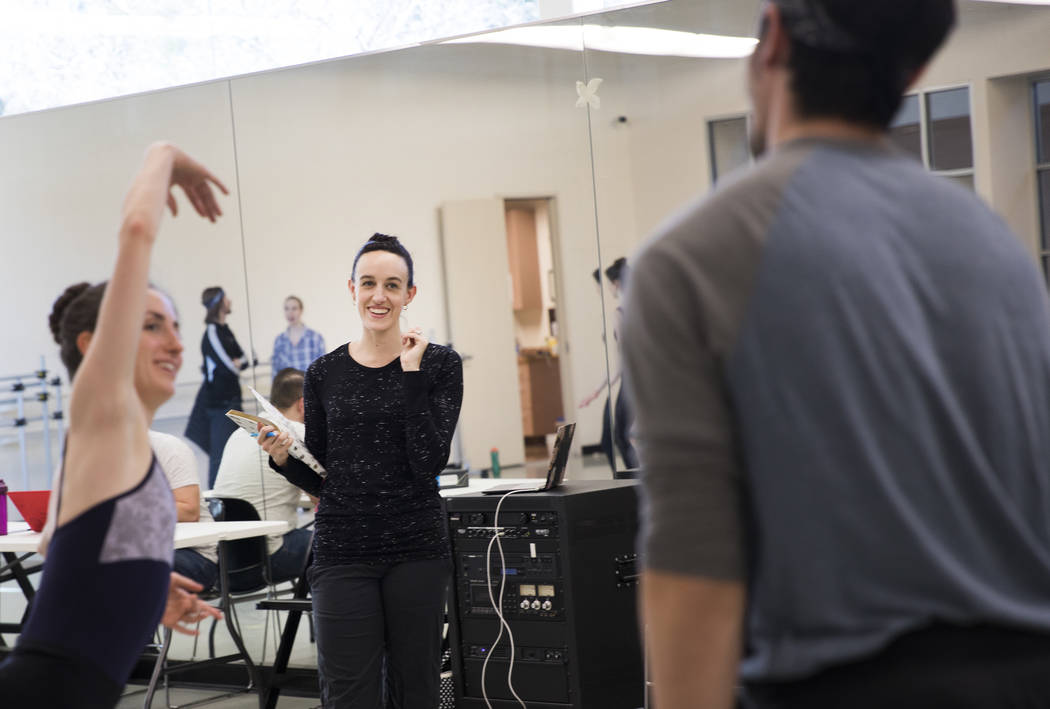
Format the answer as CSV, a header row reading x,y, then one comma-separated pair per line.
x,y
244,473
176,458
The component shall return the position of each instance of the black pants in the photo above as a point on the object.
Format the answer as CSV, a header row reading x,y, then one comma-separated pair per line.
x,y
379,633
36,679
619,432
939,666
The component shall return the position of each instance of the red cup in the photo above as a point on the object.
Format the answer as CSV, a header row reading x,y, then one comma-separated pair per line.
x,y
32,504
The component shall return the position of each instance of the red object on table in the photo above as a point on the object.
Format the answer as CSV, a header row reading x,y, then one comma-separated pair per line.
x,y
32,504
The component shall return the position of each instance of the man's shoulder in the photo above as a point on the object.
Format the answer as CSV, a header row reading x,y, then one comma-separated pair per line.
x,y
167,444
176,459
737,212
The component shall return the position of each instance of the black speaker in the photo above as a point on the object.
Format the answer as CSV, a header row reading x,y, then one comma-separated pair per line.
x,y
569,598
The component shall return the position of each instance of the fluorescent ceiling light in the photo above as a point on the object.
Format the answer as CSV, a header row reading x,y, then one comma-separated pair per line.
x,y
624,40
1019,2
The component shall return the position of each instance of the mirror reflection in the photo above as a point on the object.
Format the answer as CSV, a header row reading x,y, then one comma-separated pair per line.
x,y
476,156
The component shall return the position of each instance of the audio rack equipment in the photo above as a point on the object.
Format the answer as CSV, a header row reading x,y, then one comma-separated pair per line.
x,y
569,598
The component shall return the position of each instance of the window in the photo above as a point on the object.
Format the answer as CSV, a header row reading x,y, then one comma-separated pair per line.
x,y
906,128
730,146
1041,97
59,52
935,128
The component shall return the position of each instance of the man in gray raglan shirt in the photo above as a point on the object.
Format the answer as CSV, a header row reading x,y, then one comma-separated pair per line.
x,y
841,368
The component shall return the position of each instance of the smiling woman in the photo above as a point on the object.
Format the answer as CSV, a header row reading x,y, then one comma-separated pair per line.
x,y
380,412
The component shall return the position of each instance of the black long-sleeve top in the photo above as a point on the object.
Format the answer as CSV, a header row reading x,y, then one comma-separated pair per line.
x,y
219,349
383,435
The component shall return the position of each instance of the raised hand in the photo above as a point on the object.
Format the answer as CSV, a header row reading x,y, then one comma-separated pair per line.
x,y
413,344
195,180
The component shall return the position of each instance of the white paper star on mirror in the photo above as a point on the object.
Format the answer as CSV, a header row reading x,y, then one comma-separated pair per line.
x,y
588,93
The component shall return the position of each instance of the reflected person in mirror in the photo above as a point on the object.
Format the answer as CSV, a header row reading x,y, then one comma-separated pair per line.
x,y
107,578
380,413
220,391
841,371
298,346
615,431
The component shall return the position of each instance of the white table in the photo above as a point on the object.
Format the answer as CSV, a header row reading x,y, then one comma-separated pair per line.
x,y
191,534
21,539
304,500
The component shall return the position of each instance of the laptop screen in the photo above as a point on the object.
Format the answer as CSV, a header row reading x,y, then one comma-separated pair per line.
x,y
560,456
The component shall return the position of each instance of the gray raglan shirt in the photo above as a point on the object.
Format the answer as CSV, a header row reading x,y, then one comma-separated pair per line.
x,y
841,370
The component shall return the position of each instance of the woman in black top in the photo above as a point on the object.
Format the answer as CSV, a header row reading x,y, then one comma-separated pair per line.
x,y
380,413
220,391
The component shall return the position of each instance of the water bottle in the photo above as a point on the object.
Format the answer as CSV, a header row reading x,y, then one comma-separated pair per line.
x,y
495,462
3,508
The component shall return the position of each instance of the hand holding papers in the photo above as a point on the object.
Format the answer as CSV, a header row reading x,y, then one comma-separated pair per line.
x,y
275,418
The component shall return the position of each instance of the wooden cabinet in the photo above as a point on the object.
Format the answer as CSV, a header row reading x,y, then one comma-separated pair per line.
x,y
524,258
540,382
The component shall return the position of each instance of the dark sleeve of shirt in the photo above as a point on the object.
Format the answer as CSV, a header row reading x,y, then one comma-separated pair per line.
x,y
297,472
433,396
229,343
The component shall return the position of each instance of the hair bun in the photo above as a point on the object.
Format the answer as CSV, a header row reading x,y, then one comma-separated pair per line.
x,y
384,239
62,303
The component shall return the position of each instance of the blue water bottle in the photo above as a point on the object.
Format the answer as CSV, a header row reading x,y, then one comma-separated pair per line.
x,y
3,508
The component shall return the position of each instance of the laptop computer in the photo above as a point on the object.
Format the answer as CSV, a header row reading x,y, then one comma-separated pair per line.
x,y
555,470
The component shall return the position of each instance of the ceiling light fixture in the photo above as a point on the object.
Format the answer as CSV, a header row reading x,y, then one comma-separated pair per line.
x,y
620,39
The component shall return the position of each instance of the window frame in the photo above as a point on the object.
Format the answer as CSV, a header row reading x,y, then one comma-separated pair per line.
x,y
711,158
1041,168
924,129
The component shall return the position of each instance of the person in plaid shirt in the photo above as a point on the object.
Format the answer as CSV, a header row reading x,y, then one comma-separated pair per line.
x,y
297,346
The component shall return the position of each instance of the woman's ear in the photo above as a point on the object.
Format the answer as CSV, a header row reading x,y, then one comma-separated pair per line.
x,y
353,291
83,340
411,295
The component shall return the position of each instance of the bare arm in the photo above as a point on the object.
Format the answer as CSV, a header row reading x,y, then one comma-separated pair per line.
x,y
188,503
106,414
693,637
104,381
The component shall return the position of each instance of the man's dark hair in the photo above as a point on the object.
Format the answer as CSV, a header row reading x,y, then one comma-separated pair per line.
x,y
287,388
854,60
617,270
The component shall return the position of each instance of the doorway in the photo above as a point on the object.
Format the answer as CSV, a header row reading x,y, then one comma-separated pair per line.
x,y
534,304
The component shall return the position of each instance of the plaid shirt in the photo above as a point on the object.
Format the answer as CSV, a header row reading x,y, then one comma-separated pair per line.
x,y
285,354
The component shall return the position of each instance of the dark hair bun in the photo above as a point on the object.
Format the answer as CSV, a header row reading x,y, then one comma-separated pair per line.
x,y
58,310
384,239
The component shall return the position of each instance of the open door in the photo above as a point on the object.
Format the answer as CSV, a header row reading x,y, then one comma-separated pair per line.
x,y
481,324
